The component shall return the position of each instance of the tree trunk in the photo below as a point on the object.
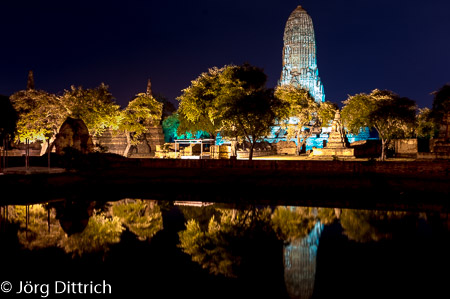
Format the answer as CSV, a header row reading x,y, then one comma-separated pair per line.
x,y
27,154
383,149
298,144
49,151
5,154
127,149
250,155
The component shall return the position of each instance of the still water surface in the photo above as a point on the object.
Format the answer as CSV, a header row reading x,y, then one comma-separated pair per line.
x,y
145,248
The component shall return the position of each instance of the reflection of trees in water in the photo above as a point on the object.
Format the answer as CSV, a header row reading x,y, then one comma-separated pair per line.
x,y
230,240
142,217
292,223
48,227
99,234
202,215
216,246
300,228
42,231
365,226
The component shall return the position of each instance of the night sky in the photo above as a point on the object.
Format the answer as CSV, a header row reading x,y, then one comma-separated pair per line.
x,y
401,45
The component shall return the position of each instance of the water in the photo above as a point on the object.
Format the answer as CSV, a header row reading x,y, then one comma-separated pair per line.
x,y
140,248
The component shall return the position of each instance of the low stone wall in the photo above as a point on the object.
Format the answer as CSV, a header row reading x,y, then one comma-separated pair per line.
x,y
331,152
406,147
256,153
21,152
408,168
433,156
367,148
285,147
115,142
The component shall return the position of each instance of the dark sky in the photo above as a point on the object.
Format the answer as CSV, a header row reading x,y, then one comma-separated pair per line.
x,y
401,45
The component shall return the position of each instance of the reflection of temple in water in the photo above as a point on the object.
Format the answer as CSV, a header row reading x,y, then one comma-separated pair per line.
x,y
300,264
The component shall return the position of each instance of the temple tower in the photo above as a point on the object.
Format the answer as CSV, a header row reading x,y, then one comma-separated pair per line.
x,y
299,55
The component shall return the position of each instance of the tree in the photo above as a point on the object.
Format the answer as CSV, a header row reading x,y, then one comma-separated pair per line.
x,y
197,110
40,117
306,112
246,108
389,114
426,127
170,126
168,107
441,104
141,113
232,100
95,106
249,116
8,119
40,114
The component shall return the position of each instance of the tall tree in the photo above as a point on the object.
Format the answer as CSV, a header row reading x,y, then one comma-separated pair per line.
x,y
249,116
245,107
95,106
441,104
170,125
197,110
231,100
305,111
40,115
8,119
425,127
141,113
389,114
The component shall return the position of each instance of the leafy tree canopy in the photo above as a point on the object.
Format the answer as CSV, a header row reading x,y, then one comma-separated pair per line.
x,y
388,113
141,217
426,127
40,114
441,103
95,106
196,109
231,100
8,118
142,112
301,106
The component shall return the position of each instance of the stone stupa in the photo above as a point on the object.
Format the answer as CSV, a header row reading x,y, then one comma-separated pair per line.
x,y
336,145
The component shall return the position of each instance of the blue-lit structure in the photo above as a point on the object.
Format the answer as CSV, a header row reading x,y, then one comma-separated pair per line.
x,y
300,69
300,264
299,55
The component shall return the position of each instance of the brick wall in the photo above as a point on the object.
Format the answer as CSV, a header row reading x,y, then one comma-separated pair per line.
x,y
411,168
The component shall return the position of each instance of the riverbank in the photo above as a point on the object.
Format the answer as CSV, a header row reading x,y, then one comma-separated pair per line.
x,y
411,185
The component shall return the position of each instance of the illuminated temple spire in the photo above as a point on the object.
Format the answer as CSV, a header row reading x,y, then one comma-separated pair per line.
x,y
299,55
